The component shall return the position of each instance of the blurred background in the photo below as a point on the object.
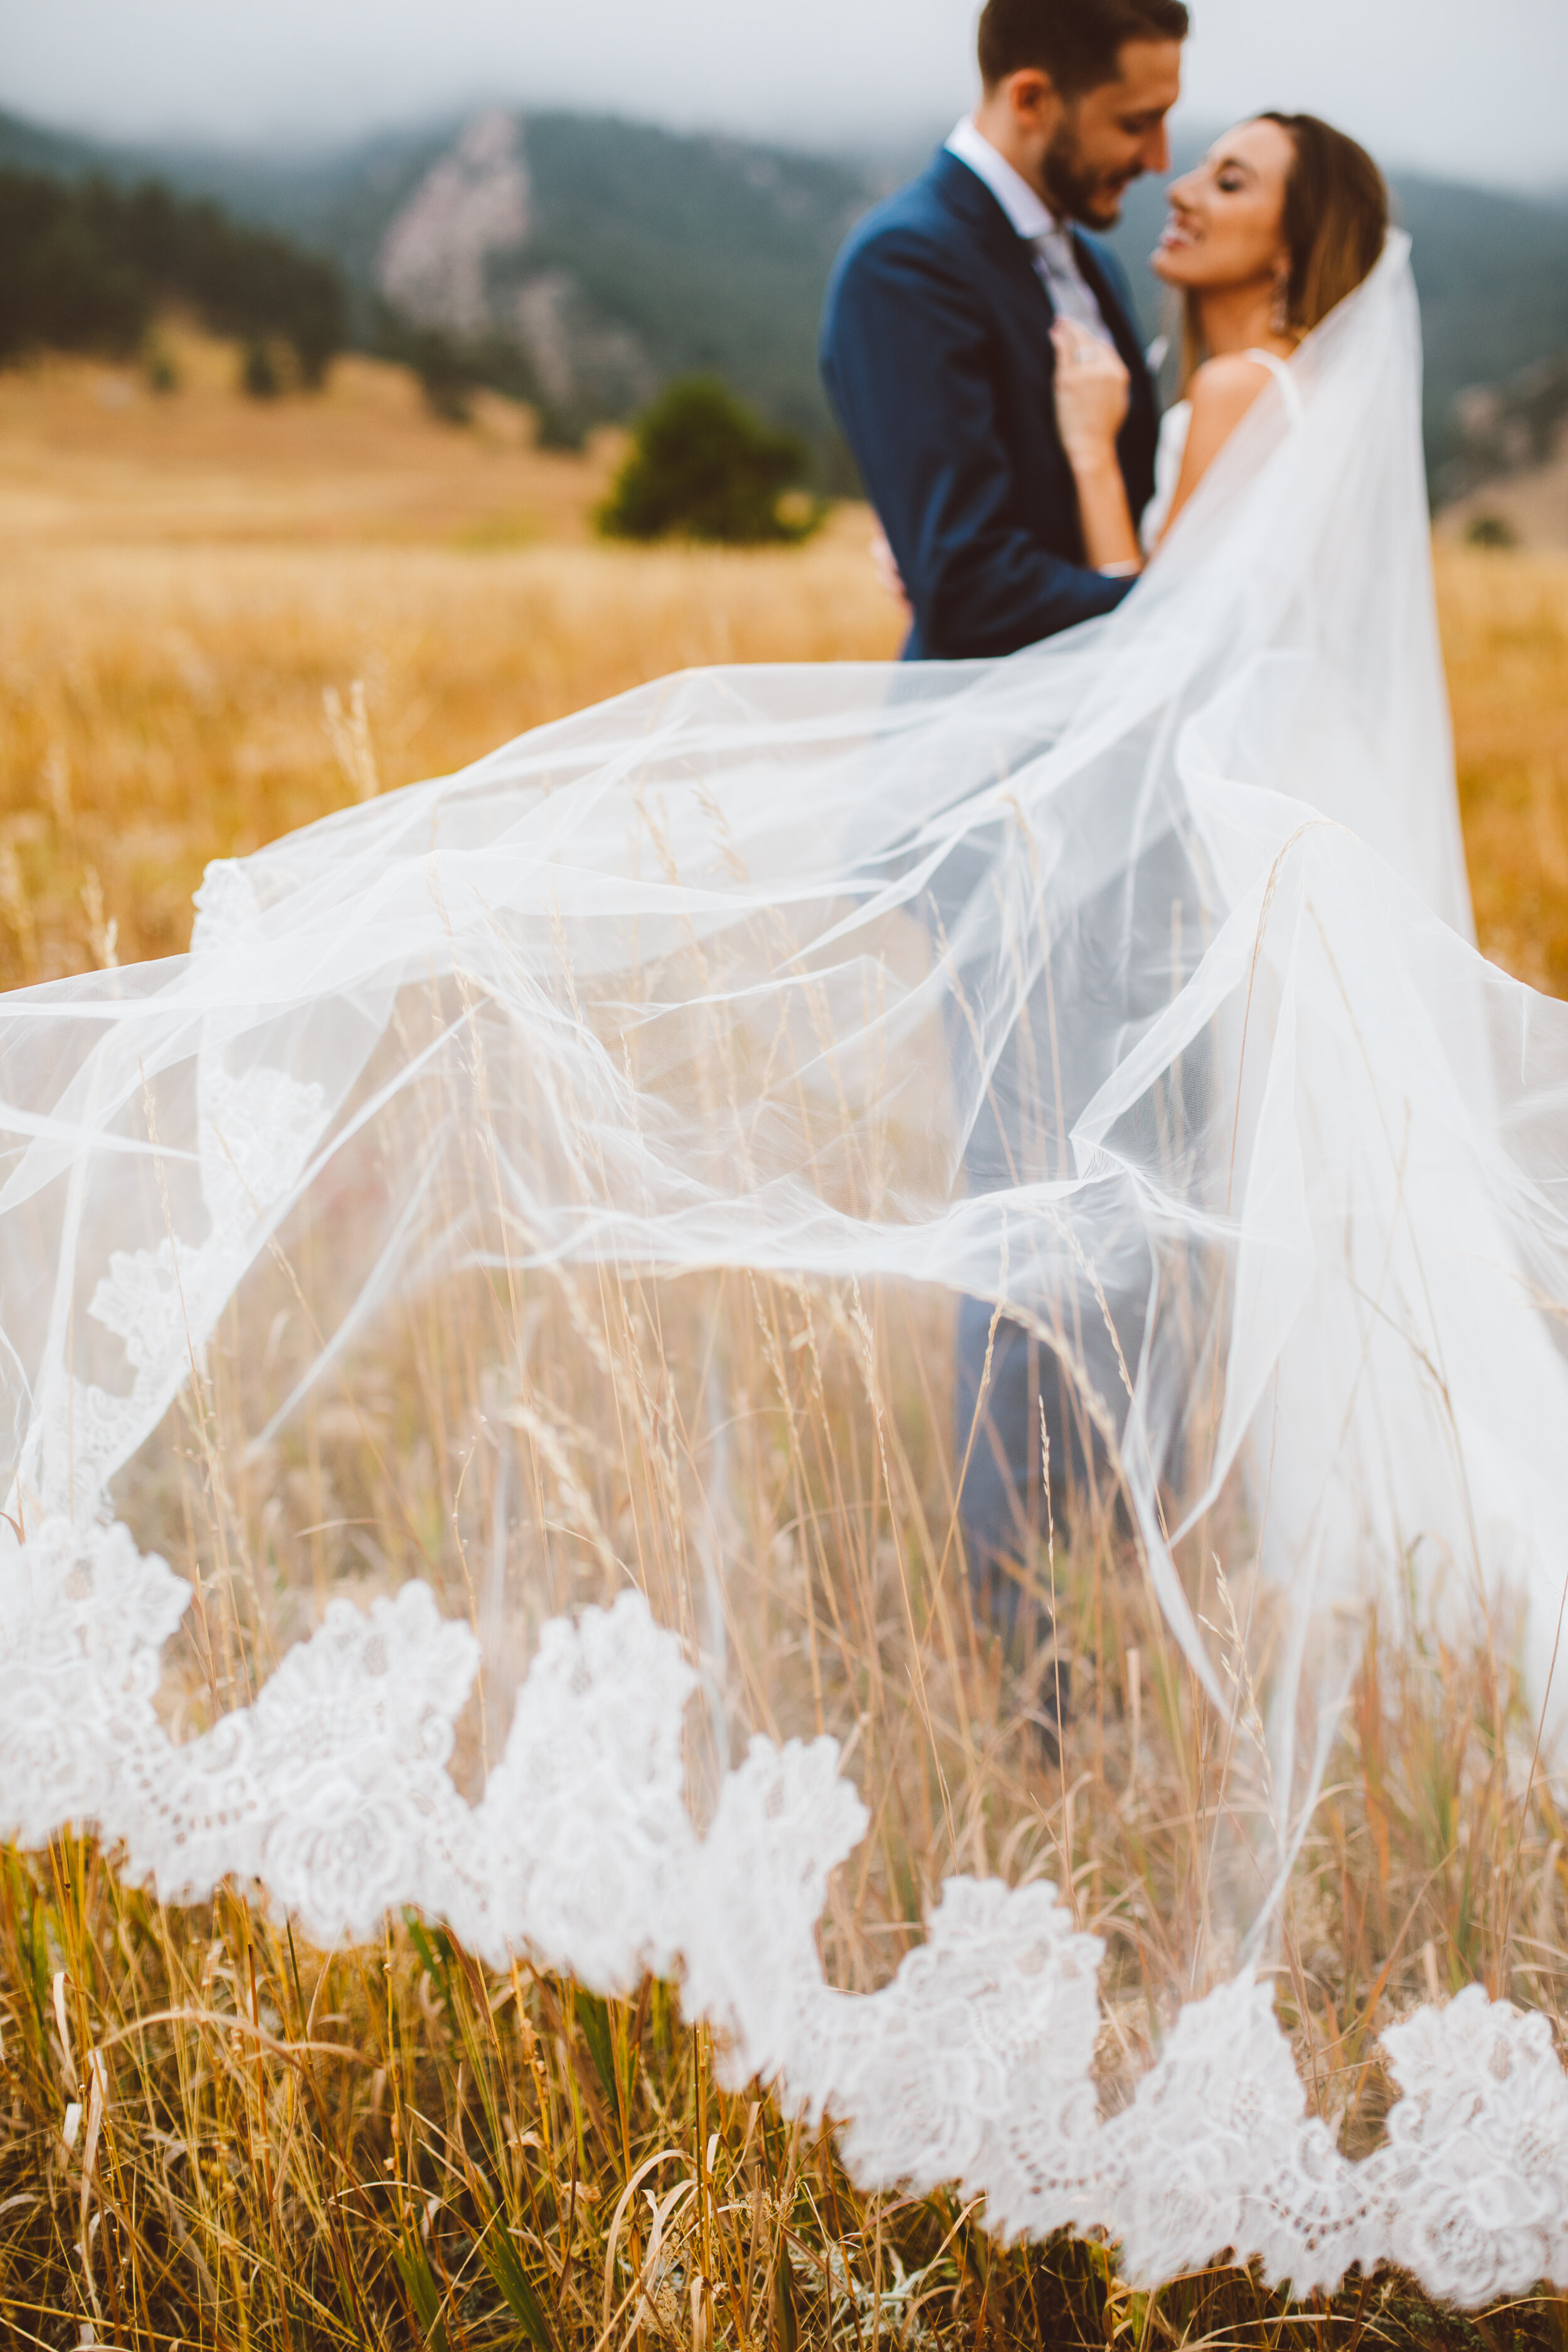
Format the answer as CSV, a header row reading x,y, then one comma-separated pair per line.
x,y
376,382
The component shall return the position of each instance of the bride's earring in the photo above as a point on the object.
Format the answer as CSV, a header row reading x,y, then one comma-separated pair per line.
x,y
1280,319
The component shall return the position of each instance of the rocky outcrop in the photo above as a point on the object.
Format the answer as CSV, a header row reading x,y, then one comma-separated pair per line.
x,y
456,257
471,204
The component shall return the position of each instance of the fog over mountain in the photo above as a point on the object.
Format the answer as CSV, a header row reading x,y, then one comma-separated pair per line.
x,y
1451,89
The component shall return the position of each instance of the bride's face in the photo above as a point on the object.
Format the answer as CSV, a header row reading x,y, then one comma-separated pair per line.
x,y
1226,219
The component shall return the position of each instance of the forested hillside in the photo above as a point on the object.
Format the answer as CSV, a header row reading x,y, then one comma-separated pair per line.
x,y
714,254
85,265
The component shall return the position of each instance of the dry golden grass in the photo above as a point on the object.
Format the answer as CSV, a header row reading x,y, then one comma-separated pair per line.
x,y
387,2148
187,579
1505,639
165,705
89,456
212,2136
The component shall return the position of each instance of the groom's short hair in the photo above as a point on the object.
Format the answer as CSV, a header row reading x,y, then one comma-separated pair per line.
x,y
1077,42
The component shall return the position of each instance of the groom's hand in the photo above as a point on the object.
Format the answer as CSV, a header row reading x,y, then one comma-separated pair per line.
x,y
1092,392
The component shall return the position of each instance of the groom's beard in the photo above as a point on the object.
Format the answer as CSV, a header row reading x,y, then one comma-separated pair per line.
x,y
1076,191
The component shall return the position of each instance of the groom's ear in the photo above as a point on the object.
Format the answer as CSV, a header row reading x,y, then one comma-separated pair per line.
x,y
1033,100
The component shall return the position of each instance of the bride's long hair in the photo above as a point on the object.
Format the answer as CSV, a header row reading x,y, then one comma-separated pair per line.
x,y
1335,224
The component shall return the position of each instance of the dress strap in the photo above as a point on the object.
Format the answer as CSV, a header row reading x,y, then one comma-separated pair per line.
x,y
1280,370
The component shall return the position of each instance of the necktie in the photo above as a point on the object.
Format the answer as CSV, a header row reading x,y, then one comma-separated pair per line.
x,y
1064,282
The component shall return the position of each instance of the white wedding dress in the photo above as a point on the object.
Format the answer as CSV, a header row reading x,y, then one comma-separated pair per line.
x,y
604,1085
1175,428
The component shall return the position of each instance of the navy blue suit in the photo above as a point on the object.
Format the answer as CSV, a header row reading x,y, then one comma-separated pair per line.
x,y
937,354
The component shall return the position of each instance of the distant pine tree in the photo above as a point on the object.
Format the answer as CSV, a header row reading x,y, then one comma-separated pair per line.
x,y
158,360
59,287
258,376
704,466
448,377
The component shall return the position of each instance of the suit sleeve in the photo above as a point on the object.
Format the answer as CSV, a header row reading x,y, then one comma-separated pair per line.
x,y
906,361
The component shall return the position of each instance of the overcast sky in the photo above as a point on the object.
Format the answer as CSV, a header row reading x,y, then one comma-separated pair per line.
x,y
1475,87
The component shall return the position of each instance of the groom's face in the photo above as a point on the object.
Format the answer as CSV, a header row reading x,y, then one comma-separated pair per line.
x,y
1111,136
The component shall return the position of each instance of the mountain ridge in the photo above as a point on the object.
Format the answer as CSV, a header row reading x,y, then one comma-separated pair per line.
x,y
634,253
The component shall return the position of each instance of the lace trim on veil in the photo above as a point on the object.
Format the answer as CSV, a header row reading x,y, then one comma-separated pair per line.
x,y
974,2064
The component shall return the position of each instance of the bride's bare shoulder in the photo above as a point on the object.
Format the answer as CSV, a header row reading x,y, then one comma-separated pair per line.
x,y
1224,389
1221,393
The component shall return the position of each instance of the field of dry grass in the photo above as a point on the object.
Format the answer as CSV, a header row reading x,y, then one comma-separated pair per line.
x,y
89,456
1505,640
210,2136
187,579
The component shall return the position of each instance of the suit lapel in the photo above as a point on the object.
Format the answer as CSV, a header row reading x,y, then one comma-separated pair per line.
x,y
965,195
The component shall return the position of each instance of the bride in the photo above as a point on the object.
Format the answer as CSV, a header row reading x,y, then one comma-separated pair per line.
x,y
1280,224
506,1267
1283,221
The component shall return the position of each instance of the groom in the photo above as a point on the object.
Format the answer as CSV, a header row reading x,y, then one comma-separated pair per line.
x,y
936,342
939,361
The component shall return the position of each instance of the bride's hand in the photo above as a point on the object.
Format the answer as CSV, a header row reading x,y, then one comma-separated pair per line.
x,y
885,564
1093,389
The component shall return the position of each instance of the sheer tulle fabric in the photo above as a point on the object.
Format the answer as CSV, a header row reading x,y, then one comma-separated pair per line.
x,y
520,1242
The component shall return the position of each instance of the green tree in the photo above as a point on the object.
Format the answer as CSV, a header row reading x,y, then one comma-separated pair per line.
x,y
704,466
258,376
58,287
446,375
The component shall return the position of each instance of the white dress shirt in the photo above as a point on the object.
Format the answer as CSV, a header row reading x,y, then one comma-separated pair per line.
x,y
1056,260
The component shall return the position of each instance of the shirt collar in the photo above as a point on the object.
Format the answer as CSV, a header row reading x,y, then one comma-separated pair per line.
x,y
1029,215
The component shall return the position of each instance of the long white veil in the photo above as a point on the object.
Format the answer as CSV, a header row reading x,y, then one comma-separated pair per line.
x,y
508,1266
